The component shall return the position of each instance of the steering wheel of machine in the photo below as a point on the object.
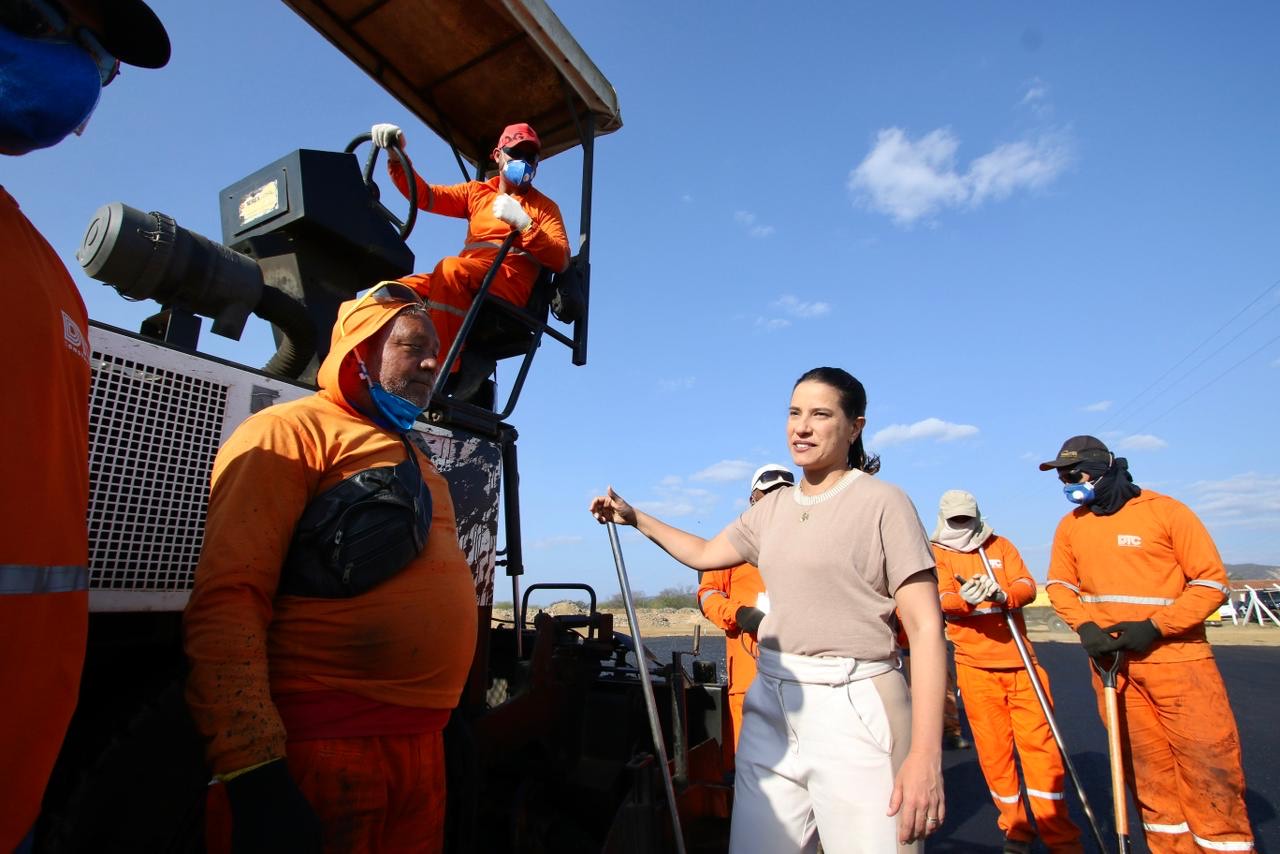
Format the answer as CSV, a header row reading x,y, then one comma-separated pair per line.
x,y
405,226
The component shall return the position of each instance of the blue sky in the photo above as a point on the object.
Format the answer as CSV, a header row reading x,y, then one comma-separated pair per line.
x,y
1010,223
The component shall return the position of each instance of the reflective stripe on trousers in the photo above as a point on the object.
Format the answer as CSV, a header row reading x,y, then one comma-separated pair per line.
x,y
23,579
1212,845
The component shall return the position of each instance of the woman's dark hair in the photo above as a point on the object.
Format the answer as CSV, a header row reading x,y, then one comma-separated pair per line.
x,y
853,401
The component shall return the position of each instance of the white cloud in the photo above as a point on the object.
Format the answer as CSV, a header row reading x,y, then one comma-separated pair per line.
x,y
725,471
1141,442
676,384
1243,500
772,324
930,428
679,501
747,220
795,307
671,480
1037,92
912,180
553,542
1100,406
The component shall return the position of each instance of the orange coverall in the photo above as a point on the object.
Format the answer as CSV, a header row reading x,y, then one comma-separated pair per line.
x,y
392,661
1153,559
44,498
450,288
720,594
999,698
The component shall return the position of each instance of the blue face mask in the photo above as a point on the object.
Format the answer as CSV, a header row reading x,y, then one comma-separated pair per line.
x,y
519,173
47,90
399,412
1079,493
394,412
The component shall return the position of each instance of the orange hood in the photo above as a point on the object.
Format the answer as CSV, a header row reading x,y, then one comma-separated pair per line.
x,y
339,375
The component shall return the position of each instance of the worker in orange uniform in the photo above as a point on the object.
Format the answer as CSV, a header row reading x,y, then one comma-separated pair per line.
x,y
735,600
55,58
999,697
493,209
333,619
1134,571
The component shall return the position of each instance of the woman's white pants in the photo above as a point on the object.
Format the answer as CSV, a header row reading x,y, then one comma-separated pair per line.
x,y
821,741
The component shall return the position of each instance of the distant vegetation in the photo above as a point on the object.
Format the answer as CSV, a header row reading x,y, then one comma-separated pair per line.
x,y
671,597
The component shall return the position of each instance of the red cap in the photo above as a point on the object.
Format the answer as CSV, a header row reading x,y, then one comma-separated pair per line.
x,y
513,135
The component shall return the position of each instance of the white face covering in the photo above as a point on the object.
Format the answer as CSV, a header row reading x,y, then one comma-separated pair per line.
x,y
960,536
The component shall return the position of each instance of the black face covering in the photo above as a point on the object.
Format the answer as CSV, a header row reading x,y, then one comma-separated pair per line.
x,y
1113,486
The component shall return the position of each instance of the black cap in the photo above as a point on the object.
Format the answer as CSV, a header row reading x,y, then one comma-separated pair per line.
x,y
1078,449
128,29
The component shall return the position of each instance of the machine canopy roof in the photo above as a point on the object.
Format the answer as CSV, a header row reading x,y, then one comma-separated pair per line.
x,y
468,68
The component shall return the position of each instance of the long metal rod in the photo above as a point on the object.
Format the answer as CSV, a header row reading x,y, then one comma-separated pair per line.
x,y
1045,706
650,704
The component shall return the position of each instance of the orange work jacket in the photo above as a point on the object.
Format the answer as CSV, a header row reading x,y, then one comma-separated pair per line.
x,y
407,642
720,594
980,632
44,498
543,242
1152,559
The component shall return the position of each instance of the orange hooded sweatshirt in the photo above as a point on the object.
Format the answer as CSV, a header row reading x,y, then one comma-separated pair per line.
x,y
1153,559
980,632
407,642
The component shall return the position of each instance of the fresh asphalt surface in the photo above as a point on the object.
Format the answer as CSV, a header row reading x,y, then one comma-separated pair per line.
x,y
1252,675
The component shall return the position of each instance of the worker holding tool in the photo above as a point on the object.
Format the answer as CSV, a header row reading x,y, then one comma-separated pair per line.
x,y
506,203
999,699
1135,571
735,600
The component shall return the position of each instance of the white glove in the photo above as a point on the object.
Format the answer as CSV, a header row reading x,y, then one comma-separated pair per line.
x,y
509,211
386,135
981,588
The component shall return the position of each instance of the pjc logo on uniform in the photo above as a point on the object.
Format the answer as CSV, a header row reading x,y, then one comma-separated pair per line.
x,y
74,338
1132,541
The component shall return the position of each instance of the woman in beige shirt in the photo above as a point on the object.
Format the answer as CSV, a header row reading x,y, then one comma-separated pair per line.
x,y
831,744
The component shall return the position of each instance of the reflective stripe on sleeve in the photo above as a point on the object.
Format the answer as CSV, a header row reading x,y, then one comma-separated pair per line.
x,y
1204,582
1127,600
1005,799
447,309
1024,580
1051,796
1166,828
1065,584
24,579
515,250
702,600
976,612
1230,845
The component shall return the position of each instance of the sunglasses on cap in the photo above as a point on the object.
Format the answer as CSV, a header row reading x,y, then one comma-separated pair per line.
x,y
528,155
384,293
37,19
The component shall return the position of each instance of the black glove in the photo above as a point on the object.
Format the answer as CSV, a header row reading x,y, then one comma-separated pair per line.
x,y
1095,641
270,814
748,618
1135,636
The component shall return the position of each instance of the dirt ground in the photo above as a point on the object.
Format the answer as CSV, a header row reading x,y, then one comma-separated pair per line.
x,y
659,622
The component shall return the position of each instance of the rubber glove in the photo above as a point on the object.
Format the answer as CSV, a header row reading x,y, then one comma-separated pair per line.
x,y
748,619
509,211
1095,641
1135,636
270,814
386,135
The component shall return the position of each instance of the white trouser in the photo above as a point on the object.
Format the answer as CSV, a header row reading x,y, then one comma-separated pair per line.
x,y
821,741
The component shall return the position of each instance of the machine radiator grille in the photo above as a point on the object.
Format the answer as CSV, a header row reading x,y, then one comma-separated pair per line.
x,y
153,434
